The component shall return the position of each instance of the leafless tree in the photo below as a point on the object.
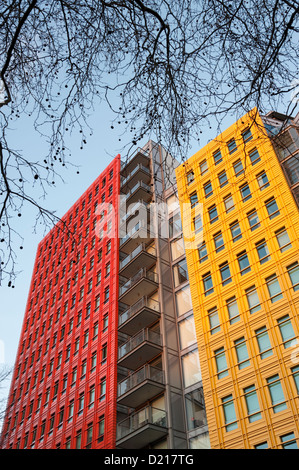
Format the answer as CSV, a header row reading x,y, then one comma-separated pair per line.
x,y
5,375
166,68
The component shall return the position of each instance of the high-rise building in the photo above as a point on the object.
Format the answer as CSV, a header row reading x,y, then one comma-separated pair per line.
x,y
240,193
108,354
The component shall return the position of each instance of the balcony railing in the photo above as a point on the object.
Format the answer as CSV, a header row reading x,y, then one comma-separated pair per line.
x,y
138,167
141,151
139,419
142,273
136,378
139,184
133,208
144,302
136,340
142,247
139,227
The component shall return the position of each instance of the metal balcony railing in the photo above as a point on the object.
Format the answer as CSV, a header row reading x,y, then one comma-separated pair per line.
x,y
142,273
139,338
136,378
143,302
138,167
133,208
141,151
142,247
139,419
139,226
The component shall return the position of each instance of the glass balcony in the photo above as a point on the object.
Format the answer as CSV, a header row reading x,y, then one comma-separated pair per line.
x,y
140,315
131,210
143,256
139,173
143,283
140,386
140,190
140,349
140,156
139,233
141,428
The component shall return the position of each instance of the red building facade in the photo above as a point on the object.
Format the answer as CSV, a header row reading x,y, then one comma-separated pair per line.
x,y
64,388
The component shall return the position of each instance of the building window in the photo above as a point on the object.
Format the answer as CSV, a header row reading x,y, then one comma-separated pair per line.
x,y
81,403
93,361
195,410
288,441
233,310
217,157
187,332
293,271
101,429
276,394
202,252
103,389
222,177
180,273
243,263
247,135
107,269
242,353
190,177
193,199
253,299
230,419
291,167
235,231
283,239
191,368
214,320
208,190
106,294
286,331
262,180
197,222
272,208
225,274
183,300
238,168
253,220
252,404
177,248
221,365
105,323
245,192
104,354
274,288
262,445
263,251
213,214
89,436
254,156
208,284
263,342
232,146
218,242
78,440
203,167
295,372
229,203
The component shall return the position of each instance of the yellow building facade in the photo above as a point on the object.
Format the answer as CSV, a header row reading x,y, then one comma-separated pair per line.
x,y
244,279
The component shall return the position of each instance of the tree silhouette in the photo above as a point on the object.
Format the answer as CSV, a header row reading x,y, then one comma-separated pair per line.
x,y
172,67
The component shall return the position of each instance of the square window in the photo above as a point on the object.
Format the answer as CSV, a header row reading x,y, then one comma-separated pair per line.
x,y
274,288
229,203
213,214
283,239
288,441
247,135
208,284
243,263
203,167
253,220
272,208
217,157
262,180
202,253
218,242
208,189
235,231
293,272
222,177
232,146
245,192
238,168
254,156
263,251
